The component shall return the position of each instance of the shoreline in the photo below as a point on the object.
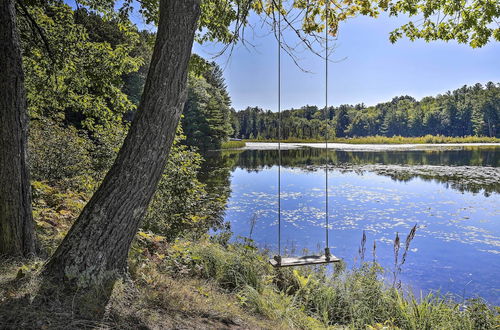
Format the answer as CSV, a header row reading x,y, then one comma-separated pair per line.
x,y
365,147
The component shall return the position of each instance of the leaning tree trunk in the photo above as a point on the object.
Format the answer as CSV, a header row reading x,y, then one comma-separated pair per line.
x,y
96,247
16,221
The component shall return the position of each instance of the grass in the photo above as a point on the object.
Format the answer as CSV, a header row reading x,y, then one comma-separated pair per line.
x,y
233,144
149,299
309,298
206,284
428,139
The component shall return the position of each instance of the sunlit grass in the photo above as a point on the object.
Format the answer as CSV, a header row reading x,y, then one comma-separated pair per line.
x,y
427,139
311,298
233,144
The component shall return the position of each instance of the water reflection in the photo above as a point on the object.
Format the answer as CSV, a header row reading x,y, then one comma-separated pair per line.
x,y
450,167
258,159
457,247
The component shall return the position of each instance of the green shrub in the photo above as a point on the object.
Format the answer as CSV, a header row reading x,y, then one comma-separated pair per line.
x,y
181,206
178,204
58,153
234,267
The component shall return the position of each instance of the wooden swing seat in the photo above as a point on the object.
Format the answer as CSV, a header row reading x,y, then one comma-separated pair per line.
x,y
303,261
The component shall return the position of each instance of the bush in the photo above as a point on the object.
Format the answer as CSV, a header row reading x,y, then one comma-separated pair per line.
x,y
58,154
178,204
181,205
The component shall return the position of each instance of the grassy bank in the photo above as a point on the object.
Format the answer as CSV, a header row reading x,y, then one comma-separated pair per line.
x,y
428,139
233,144
205,284
210,283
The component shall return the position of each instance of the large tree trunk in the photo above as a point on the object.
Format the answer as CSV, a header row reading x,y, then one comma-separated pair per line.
x,y
96,247
16,221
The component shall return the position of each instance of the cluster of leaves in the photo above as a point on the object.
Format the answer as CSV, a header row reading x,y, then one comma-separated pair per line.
x,y
76,78
59,154
469,22
225,21
466,111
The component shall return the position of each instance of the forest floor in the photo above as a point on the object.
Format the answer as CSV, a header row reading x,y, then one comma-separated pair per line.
x,y
206,285
26,302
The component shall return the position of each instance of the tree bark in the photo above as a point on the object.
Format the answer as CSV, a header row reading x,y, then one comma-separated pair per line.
x,y
16,220
96,248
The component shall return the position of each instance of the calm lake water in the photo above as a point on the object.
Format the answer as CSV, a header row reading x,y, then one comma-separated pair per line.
x,y
452,194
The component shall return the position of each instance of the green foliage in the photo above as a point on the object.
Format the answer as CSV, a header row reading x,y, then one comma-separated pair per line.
x,y
67,157
59,155
207,118
77,105
471,22
78,79
465,112
309,297
116,33
74,86
180,206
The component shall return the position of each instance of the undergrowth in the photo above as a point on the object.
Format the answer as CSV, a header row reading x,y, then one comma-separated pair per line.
x,y
310,297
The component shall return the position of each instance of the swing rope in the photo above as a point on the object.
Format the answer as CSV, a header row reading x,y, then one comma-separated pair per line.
x,y
327,248
279,129
327,117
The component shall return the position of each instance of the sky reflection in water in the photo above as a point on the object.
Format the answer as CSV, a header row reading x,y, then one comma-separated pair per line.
x,y
457,246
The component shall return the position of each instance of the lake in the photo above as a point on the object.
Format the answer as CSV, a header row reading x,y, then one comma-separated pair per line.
x,y
452,194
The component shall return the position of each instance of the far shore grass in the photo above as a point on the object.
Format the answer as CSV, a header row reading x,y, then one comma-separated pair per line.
x,y
427,139
233,144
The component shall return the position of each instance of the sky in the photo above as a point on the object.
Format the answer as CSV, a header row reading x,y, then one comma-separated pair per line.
x,y
366,67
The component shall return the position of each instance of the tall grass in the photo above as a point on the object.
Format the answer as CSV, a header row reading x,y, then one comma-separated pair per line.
x,y
311,297
427,139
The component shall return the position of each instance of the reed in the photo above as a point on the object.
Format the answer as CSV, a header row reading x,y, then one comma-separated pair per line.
x,y
311,297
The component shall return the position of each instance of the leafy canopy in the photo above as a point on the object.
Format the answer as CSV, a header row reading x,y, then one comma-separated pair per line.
x,y
473,22
80,81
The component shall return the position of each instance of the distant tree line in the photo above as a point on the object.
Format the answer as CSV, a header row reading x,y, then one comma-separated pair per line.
x,y
467,111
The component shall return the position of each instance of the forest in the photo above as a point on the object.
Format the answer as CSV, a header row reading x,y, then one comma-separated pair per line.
x,y
467,111
110,216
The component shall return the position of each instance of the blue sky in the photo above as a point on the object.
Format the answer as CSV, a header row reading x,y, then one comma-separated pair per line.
x,y
369,68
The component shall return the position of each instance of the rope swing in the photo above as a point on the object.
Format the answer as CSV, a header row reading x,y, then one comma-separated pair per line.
x,y
278,260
